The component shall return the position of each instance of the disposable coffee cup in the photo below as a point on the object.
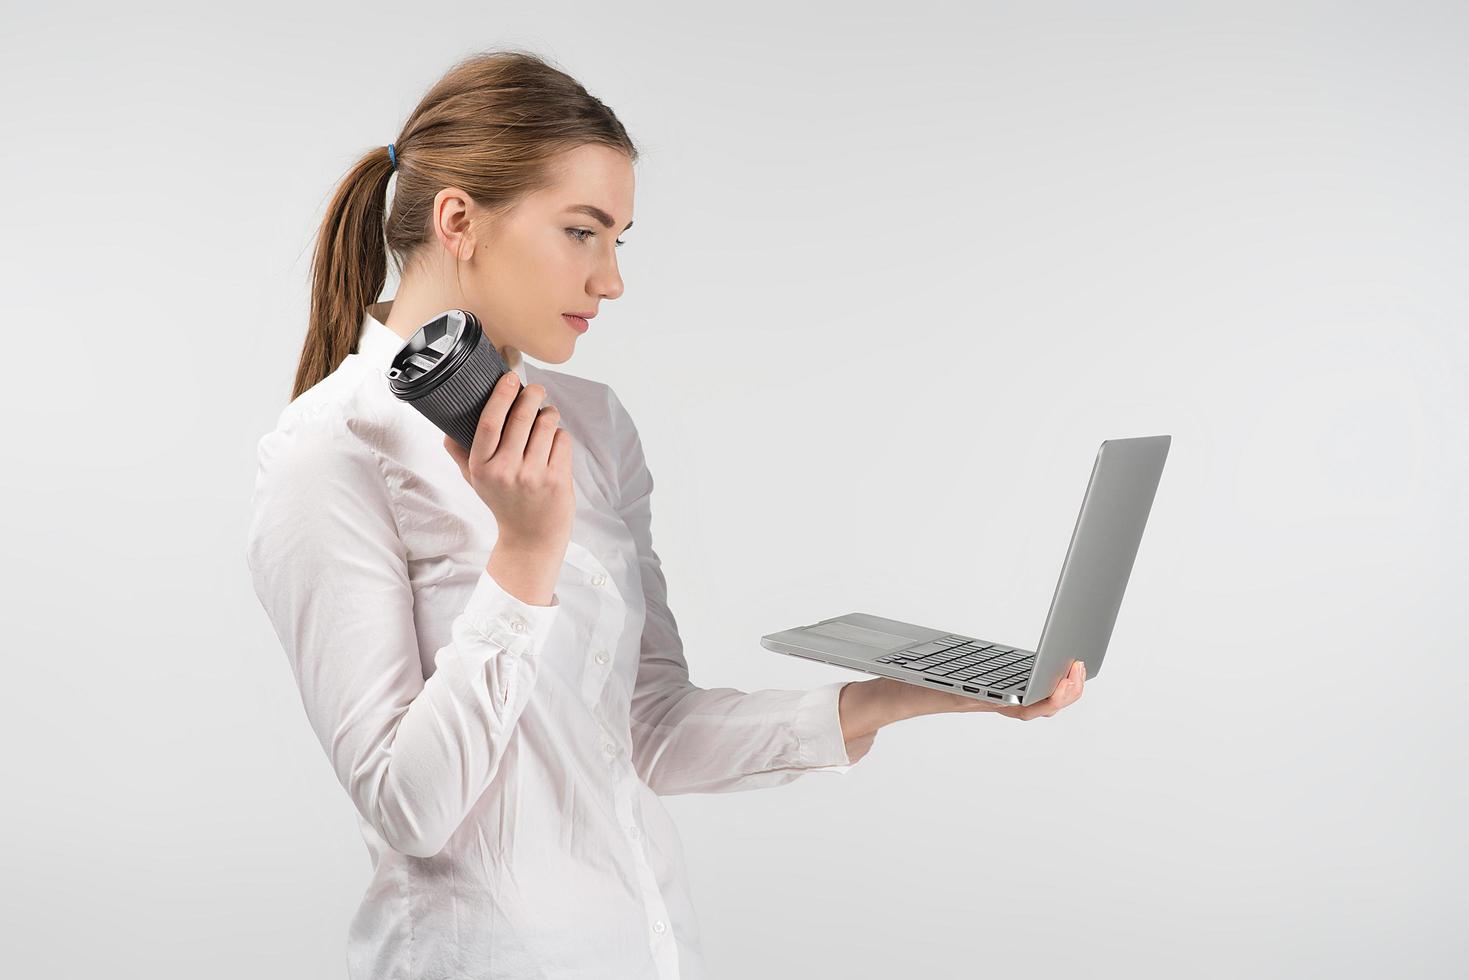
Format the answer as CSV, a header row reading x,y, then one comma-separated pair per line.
x,y
447,371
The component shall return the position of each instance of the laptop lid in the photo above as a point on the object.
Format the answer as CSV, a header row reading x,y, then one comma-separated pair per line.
x,y
1099,560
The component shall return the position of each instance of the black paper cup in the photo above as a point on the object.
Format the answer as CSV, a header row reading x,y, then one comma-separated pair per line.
x,y
447,370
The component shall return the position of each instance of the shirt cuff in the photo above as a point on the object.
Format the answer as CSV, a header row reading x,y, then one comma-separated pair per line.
x,y
519,627
818,730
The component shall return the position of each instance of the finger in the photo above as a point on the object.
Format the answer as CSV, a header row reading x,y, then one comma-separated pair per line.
x,y
1070,688
560,458
538,448
1064,684
491,423
1065,690
492,418
1064,693
518,423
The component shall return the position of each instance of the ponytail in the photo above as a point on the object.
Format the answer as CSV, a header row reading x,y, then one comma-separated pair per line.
x,y
348,269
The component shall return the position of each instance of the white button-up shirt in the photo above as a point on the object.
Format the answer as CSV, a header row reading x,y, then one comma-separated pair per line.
x,y
505,759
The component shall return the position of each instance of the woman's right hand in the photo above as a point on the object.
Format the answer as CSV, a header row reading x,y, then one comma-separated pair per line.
x,y
520,465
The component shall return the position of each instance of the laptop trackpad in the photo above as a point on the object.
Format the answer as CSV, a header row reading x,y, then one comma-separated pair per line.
x,y
866,637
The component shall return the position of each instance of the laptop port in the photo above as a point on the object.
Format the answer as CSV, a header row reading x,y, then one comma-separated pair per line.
x,y
932,681
971,690
993,695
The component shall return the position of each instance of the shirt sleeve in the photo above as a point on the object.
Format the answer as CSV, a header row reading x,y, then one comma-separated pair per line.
x,y
330,569
688,739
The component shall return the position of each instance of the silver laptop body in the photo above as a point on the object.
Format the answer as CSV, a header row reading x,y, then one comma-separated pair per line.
x,y
1078,626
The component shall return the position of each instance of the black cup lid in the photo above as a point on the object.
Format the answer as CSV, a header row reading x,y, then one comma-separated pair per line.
x,y
428,349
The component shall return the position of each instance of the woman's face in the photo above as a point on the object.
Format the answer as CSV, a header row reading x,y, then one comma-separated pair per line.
x,y
549,256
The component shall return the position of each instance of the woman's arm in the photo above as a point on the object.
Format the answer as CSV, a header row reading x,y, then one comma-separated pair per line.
x,y
690,739
414,754
866,706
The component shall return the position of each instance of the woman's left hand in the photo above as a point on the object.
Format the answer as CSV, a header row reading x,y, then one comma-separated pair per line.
x,y
1068,689
866,706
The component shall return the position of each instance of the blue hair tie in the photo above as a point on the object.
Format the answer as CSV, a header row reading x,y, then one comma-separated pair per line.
x,y
393,156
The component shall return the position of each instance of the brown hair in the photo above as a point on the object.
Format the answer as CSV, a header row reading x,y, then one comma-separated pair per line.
x,y
493,126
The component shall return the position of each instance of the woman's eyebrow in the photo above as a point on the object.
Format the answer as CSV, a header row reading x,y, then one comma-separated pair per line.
x,y
599,214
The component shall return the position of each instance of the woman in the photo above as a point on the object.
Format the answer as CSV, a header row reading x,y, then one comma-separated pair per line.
x,y
482,640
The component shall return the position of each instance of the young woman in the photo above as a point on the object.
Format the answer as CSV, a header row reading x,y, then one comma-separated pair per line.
x,y
482,640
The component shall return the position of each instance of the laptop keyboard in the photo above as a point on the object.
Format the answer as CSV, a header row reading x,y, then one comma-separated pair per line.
x,y
966,660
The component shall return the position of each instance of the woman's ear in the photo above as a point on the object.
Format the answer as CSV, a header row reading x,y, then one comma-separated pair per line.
x,y
452,222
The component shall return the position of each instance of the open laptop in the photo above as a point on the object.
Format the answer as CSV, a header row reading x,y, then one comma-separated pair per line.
x,y
1078,626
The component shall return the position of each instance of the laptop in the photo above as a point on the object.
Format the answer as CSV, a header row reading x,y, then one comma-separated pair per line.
x,y
1078,626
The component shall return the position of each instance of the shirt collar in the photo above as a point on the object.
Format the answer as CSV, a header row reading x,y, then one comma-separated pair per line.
x,y
378,344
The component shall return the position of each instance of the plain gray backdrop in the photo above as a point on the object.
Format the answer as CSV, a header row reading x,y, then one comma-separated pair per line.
x,y
918,259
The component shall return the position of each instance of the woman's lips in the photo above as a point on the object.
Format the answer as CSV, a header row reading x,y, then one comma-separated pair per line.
x,y
577,323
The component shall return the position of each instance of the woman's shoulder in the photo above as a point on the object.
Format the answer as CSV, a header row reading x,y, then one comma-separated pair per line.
x,y
330,421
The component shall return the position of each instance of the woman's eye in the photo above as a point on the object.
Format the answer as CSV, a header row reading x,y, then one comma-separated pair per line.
x,y
578,234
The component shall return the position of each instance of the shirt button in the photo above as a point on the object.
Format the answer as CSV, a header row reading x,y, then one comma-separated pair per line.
x,y
634,833
599,579
609,748
659,927
601,656
518,626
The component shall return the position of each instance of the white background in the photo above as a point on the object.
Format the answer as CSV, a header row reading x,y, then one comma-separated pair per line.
x,y
895,274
